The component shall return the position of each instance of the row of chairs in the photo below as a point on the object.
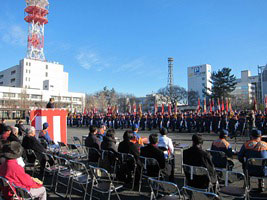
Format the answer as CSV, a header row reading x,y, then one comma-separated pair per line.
x,y
70,173
252,169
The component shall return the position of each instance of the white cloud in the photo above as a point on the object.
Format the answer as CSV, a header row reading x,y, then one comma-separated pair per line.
x,y
14,35
132,66
91,60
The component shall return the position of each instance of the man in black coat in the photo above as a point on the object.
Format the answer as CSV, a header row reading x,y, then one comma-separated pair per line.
x,y
94,142
195,156
152,151
30,142
51,103
126,146
21,128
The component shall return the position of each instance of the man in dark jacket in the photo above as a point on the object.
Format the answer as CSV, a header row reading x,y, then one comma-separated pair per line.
x,y
21,128
30,142
51,103
92,140
195,156
152,151
109,141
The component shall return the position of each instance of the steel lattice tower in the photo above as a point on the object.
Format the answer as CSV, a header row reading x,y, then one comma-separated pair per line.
x,y
37,11
170,75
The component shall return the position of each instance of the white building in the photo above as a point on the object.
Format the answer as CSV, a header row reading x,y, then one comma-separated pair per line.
x,y
37,81
245,90
199,79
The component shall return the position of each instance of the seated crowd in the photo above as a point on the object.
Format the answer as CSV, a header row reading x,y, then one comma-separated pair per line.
x,y
15,141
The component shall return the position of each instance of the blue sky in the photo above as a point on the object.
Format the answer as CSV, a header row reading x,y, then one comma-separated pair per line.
x,y
125,44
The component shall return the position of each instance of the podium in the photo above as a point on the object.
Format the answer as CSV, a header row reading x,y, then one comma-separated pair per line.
x,y
57,120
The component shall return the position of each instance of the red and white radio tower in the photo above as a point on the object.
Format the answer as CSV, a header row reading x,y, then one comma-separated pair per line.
x,y
37,11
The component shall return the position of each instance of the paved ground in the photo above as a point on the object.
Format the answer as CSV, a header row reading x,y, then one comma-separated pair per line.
x,y
183,138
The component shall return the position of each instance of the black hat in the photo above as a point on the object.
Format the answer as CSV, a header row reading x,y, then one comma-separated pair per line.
x,y
255,133
7,128
12,150
197,139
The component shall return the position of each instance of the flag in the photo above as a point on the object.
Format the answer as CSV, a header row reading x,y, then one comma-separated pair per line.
x,y
140,109
230,106
175,108
169,109
222,105
210,101
218,105
116,110
155,108
84,111
129,108
134,109
212,105
255,104
205,106
198,106
162,109
226,104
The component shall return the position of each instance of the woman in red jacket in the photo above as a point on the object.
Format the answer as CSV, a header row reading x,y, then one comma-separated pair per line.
x,y
16,175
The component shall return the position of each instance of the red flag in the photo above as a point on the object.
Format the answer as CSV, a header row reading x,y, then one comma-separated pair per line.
x,y
210,105
226,104
134,109
255,104
175,108
198,105
205,106
218,105
155,108
222,105
162,109
84,111
169,109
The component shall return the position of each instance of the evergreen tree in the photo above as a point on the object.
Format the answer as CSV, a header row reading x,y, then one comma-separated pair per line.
x,y
223,83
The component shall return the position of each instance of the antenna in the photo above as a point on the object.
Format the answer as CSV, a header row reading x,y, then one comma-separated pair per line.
x,y
170,75
37,11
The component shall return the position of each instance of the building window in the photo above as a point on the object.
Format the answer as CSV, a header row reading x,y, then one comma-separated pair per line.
x,y
66,98
13,72
6,94
12,80
26,63
29,79
46,74
36,96
46,67
1,76
203,78
1,83
29,64
26,71
76,99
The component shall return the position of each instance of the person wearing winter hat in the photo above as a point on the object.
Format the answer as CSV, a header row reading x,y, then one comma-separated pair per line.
x,y
16,174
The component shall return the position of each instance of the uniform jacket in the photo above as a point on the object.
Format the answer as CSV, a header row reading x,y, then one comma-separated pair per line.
x,y
253,149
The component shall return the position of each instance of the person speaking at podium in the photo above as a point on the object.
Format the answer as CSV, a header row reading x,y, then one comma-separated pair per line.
x,y
51,103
